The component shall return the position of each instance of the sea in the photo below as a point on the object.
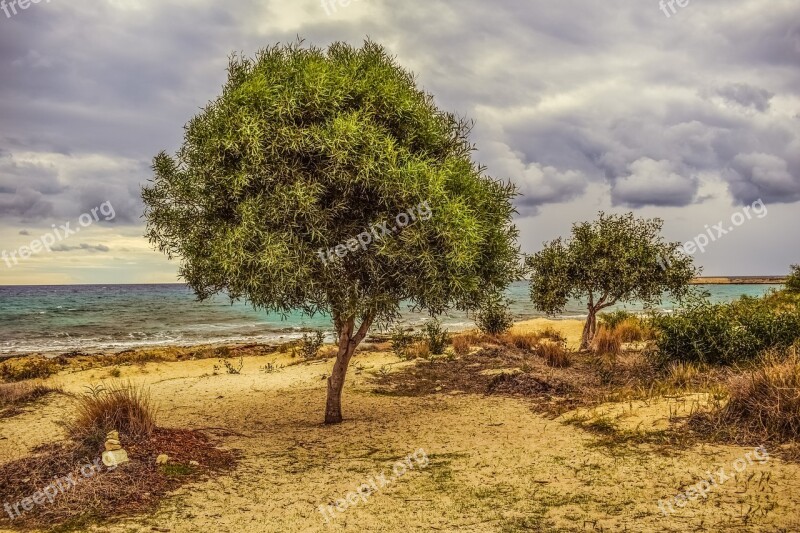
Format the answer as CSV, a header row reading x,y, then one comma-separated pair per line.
x,y
100,318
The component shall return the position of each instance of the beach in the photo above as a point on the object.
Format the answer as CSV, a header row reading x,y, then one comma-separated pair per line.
x,y
494,462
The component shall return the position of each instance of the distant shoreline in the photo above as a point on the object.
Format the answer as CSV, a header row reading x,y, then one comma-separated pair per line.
x,y
740,280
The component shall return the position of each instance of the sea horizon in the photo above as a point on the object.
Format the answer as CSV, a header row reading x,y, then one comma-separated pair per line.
x,y
97,318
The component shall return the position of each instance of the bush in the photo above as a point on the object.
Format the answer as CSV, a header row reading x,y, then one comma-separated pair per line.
x,y
725,334
28,368
229,367
419,349
15,394
765,403
552,334
615,318
461,345
522,341
607,341
793,282
121,407
435,336
555,354
310,344
402,341
494,317
630,330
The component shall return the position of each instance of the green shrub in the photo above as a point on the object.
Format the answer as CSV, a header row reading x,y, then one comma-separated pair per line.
x,y
724,334
402,342
793,283
310,344
435,336
615,318
28,368
494,318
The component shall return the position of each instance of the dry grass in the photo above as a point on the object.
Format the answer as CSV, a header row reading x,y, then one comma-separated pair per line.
x,y
764,404
419,350
15,395
555,354
631,330
119,406
461,344
521,341
550,333
682,375
607,341
131,489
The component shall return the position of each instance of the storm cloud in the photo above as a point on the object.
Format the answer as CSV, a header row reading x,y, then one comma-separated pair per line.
x,y
568,98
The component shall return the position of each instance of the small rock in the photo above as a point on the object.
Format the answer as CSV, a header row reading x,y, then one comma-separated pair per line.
x,y
115,457
110,447
162,459
113,435
194,463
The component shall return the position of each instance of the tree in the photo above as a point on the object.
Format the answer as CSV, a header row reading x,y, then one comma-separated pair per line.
x,y
793,281
617,258
325,181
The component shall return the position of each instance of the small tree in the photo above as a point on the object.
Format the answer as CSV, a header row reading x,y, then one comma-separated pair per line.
x,y
617,258
327,182
793,281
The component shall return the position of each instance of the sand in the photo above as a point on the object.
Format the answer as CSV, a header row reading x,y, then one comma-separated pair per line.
x,y
493,464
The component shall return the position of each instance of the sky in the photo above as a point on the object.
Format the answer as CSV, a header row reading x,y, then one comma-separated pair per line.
x,y
690,114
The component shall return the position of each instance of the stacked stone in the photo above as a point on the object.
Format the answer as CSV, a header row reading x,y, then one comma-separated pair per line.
x,y
114,454
112,441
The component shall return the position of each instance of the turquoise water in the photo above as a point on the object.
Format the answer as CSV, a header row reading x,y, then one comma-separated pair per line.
x,y
55,319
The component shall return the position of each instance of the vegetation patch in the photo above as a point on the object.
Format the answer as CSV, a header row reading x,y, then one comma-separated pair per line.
x,y
14,396
131,489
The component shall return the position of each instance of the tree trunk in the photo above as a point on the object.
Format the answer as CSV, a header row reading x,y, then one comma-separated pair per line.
x,y
589,329
348,342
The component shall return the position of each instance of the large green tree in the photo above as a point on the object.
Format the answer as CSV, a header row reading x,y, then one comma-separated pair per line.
x,y
617,258
325,181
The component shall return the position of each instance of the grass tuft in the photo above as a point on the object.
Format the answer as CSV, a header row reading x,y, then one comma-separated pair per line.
x,y
607,341
122,407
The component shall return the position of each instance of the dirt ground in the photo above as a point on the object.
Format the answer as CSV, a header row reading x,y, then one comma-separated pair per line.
x,y
483,463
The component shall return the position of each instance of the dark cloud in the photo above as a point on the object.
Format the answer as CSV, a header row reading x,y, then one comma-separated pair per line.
x,y
565,95
83,246
746,96
24,232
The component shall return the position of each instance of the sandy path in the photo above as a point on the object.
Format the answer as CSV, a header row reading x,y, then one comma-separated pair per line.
x,y
493,464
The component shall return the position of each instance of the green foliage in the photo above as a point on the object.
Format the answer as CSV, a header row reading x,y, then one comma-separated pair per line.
x,y
494,317
310,344
725,334
307,148
435,336
617,258
402,341
615,318
793,283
